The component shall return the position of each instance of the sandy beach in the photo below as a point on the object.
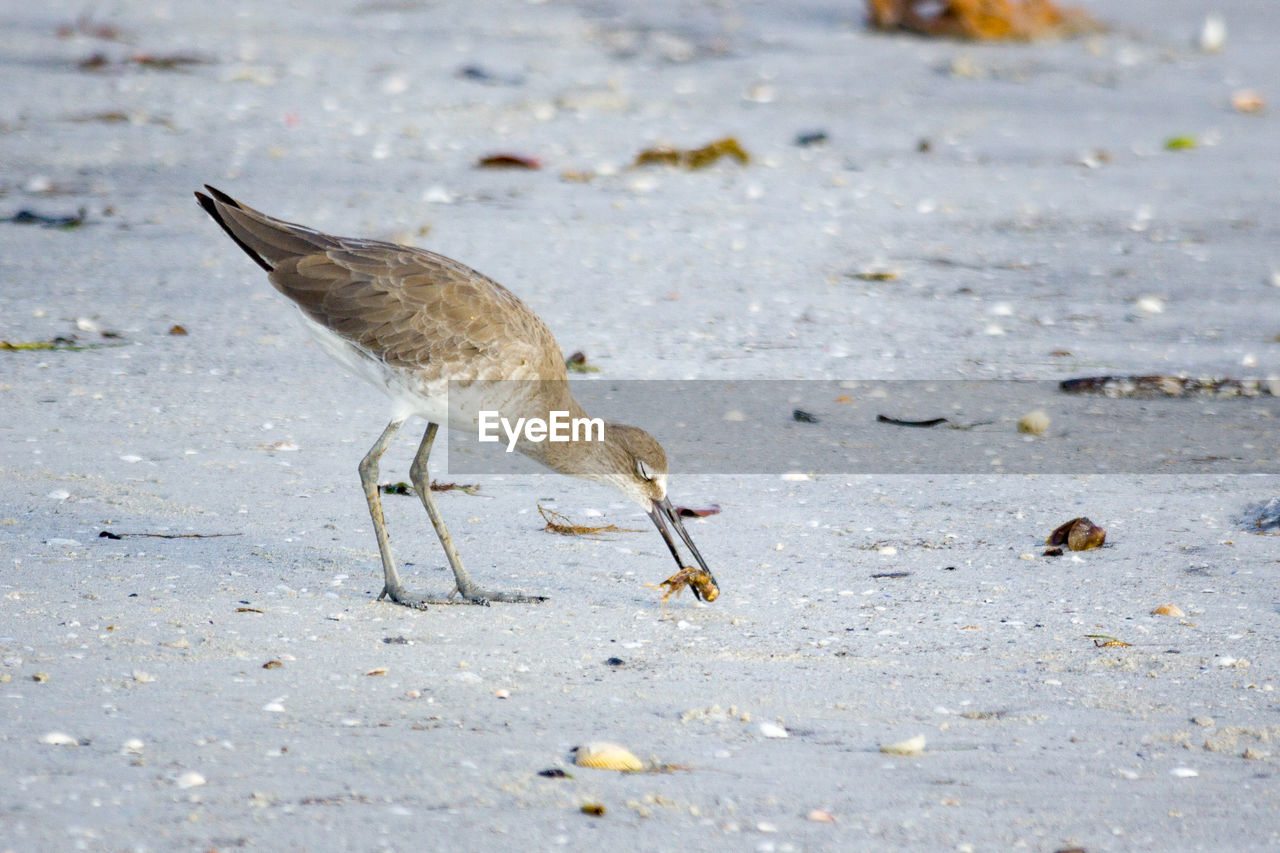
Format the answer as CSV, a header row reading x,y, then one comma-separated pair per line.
x,y
217,674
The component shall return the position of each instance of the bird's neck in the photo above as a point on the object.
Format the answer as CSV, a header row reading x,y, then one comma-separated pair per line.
x,y
581,447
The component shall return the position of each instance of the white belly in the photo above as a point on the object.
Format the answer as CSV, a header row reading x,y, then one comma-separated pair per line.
x,y
417,393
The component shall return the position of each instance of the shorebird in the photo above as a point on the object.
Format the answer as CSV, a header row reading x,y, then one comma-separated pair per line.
x,y
411,322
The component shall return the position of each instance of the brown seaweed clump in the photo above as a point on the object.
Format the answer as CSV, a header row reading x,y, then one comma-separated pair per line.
x,y
982,20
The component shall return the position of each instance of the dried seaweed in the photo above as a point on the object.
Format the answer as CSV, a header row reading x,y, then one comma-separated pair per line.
x,y
468,488
30,217
555,773
154,61
168,62
982,20
577,363
480,74
86,26
59,343
885,419
107,534
557,523
698,511
695,158
1263,518
508,161
1153,386
875,275
403,488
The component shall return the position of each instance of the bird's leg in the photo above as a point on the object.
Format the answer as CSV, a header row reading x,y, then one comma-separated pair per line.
x,y
465,587
391,585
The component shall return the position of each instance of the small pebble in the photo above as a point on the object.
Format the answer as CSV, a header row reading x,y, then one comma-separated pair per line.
x,y
820,816
143,677
40,677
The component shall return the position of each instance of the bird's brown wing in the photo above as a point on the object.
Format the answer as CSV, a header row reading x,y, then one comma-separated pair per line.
x,y
413,308
404,306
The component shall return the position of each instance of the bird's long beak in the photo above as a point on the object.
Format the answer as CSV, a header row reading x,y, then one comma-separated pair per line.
x,y
662,514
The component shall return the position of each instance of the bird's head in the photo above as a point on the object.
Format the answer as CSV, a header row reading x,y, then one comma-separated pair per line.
x,y
633,462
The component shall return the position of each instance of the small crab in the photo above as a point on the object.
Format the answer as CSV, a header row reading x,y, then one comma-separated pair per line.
x,y
702,583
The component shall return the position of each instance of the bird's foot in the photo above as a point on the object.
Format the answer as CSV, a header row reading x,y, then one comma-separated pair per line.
x,y
400,595
475,595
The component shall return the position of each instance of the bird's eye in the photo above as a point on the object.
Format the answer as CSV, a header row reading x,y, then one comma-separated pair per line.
x,y
645,472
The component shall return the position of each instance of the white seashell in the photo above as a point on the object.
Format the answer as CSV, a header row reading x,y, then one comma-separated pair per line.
x,y
133,746
1150,305
58,739
1183,772
190,779
772,730
910,746
1213,33
606,756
